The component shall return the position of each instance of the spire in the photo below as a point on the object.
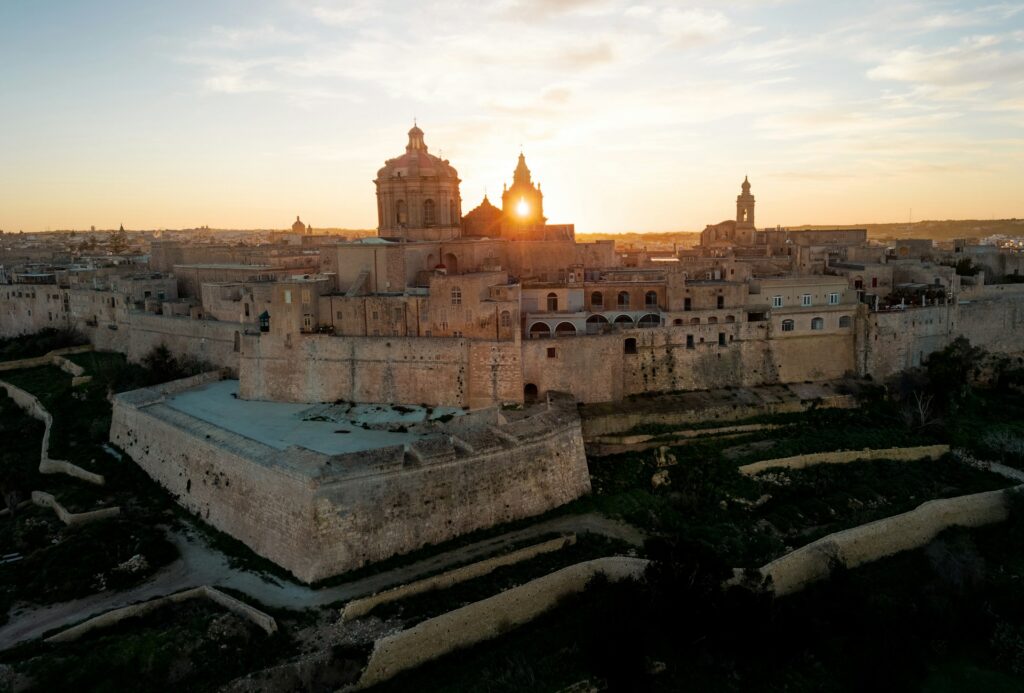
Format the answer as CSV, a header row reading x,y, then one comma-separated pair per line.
x,y
522,173
415,139
746,184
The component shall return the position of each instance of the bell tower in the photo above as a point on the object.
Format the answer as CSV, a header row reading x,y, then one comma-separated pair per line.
x,y
745,205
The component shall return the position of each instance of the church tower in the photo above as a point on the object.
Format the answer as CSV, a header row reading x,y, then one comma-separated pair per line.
x,y
745,205
418,195
522,203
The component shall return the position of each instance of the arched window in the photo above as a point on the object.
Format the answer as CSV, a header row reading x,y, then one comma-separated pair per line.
x,y
730,318
453,214
694,321
677,321
624,299
529,393
428,213
596,324
506,319
401,215
845,321
597,300
539,329
817,324
712,320
456,296
788,326
650,320
629,346
651,299
565,329
552,302
624,321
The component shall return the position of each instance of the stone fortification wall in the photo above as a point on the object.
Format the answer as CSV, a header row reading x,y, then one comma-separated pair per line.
x,y
890,535
225,601
932,452
54,358
488,618
435,371
209,340
360,607
319,515
47,465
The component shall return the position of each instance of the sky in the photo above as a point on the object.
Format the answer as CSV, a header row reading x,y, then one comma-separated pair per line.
x,y
633,116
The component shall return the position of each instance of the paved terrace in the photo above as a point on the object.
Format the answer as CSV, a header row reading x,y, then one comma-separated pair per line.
x,y
331,429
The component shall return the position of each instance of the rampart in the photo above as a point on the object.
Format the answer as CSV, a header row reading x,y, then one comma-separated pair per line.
x,y
47,500
488,618
318,515
890,535
932,452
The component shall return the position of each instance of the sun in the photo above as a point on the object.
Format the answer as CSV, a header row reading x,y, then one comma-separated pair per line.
x,y
522,208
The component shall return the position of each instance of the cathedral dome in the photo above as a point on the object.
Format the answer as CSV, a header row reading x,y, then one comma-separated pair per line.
x,y
417,162
298,226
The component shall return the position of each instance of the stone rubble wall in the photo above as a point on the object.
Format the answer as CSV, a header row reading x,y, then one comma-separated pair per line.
x,y
360,607
869,542
52,358
488,618
931,452
46,500
225,601
47,465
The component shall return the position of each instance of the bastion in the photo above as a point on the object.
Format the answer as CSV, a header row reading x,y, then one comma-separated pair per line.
x,y
326,488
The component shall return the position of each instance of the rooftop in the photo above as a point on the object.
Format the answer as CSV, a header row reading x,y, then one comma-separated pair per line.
x,y
331,429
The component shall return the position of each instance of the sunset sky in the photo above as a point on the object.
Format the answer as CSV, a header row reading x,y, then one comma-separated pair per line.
x,y
633,116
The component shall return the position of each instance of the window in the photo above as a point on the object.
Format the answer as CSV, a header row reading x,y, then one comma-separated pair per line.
x,y
374,315
689,341
287,296
788,326
506,319
817,324
845,321
401,215
730,318
453,215
552,352
721,301
651,299
623,299
398,314
339,315
629,346
805,300
246,309
428,213
305,297
833,299
776,301
456,333
597,300
721,339
712,320
307,322
874,282
687,304
456,296
552,302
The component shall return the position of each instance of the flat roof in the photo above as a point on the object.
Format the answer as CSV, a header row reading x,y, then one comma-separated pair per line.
x,y
331,429
226,265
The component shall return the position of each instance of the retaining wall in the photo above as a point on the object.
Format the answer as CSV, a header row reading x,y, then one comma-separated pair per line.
x,y
488,618
235,606
932,452
47,465
890,535
360,607
46,500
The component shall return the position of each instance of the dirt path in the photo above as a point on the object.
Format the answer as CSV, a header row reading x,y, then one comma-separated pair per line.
x,y
199,564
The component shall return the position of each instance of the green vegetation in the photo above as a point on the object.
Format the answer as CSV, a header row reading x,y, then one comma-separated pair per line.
x,y
192,646
429,604
39,343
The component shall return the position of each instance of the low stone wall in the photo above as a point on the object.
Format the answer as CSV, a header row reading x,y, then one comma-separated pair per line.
x,y
47,465
683,434
488,618
52,358
932,452
235,606
360,607
602,420
858,545
46,500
